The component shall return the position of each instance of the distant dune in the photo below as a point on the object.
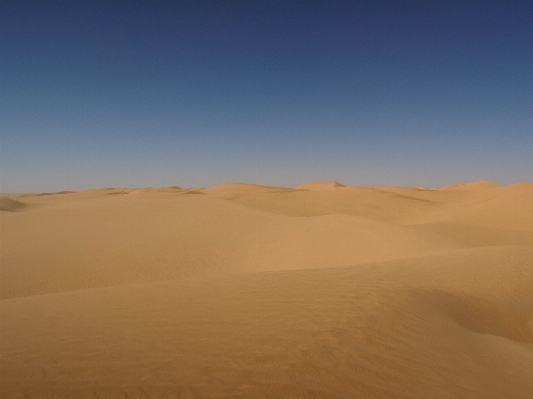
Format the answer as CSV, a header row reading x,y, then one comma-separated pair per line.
x,y
478,185
327,185
10,205
243,290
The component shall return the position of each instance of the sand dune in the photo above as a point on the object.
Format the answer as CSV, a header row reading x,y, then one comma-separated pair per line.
x,y
10,205
321,186
243,290
472,186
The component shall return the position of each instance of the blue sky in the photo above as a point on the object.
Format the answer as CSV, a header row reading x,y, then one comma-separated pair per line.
x,y
195,93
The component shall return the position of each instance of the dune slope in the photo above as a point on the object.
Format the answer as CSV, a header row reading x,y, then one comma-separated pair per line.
x,y
239,290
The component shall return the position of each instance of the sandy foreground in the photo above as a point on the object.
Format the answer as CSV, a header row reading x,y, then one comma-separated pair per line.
x,y
238,290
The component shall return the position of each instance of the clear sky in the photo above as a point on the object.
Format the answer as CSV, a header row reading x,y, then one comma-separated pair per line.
x,y
195,93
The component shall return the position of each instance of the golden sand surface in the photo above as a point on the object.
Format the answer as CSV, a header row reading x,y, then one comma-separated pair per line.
x,y
248,291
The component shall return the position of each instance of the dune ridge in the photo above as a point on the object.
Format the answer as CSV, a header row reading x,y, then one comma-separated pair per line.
x,y
10,205
243,290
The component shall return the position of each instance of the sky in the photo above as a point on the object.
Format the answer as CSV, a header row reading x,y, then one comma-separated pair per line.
x,y
196,93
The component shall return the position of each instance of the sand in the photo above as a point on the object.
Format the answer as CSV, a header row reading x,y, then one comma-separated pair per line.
x,y
239,290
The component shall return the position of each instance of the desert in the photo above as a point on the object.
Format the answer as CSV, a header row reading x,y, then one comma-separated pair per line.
x,y
242,290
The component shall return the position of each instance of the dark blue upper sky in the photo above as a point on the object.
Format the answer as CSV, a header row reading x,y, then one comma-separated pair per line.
x,y
138,93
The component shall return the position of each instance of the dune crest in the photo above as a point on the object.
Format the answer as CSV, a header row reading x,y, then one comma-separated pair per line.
x,y
478,185
320,186
10,205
